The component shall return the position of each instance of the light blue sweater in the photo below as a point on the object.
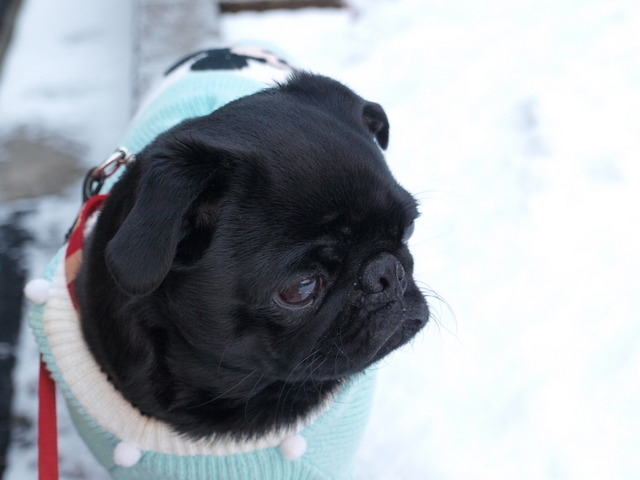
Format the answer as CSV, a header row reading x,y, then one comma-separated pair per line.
x,y
331,440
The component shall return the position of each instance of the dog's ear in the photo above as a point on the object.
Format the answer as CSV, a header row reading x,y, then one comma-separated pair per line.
x,y
375,119
333,95
142,251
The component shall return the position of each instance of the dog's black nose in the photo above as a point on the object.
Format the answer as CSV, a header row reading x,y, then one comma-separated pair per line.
x,y
384,274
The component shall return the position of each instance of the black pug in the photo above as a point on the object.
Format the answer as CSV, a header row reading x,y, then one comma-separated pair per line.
x,y
251,261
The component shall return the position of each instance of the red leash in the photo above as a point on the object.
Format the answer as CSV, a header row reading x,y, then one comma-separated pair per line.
x,y
47,418
47,426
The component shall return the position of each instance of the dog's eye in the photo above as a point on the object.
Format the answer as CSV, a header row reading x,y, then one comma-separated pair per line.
x,y
301,293
408,232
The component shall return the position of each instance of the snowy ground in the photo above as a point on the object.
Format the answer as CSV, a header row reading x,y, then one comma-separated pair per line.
x,y
515,123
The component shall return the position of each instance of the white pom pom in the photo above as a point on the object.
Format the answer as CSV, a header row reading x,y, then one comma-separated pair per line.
x,y
125,455
37,290
293,447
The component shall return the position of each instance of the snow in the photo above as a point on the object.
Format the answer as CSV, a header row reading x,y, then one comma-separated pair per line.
x,y
516,126
66,77
70,64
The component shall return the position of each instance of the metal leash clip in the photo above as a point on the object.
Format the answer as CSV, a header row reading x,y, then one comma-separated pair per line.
x,y
96,177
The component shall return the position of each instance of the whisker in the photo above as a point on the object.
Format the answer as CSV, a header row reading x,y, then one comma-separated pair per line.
x,y
225,392
285,383
221,357
339,348
434,315
302,386
246,404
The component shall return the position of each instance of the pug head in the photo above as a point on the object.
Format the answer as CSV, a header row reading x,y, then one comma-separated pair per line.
x,y
251,261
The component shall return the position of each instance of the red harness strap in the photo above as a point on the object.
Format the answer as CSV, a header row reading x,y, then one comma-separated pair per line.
x,y
47,426
47,417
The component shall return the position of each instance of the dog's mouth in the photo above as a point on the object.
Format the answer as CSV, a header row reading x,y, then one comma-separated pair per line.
x,y
401,336
387,329
395,324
